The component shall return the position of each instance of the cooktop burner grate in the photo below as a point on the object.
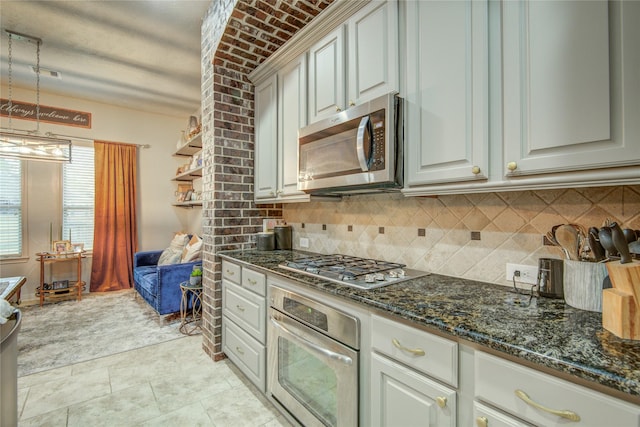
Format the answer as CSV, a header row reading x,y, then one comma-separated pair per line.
x,y
354,271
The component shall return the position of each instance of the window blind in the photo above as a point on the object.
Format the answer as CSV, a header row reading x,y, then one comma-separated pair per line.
x,y
78,194
10,208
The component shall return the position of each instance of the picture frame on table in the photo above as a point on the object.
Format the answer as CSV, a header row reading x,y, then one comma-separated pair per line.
x,y
60,246
60,284
77,247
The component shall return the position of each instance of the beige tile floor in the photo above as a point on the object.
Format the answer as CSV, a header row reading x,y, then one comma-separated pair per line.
x,y
170,384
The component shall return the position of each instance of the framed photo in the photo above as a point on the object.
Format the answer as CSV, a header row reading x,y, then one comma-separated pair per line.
x,y
183,188
77,247
187,196
61,246
60,284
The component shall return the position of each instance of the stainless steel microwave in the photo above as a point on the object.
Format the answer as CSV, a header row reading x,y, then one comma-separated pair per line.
x,y
356,151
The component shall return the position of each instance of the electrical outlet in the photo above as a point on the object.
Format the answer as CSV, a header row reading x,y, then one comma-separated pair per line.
x,y
304,242
523,273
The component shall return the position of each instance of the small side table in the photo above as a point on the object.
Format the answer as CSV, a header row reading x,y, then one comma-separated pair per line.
x,y
10,286
190,320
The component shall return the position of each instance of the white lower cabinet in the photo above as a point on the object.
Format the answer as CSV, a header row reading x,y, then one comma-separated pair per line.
x,y
402,397
245,352
486,416
244,319
401,393
544,400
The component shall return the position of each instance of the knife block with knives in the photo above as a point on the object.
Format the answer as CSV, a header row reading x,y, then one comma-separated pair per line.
x,y
621,303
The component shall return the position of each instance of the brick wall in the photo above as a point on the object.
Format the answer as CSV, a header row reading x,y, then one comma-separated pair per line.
x,y
236,37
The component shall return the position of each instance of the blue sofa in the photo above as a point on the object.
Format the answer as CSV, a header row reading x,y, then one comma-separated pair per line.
x,y
159,285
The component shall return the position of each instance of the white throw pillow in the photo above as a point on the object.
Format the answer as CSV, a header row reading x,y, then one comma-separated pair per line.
x,y
172,254
192,251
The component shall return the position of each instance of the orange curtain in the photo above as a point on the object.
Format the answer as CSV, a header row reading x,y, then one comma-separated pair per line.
x,y
115,236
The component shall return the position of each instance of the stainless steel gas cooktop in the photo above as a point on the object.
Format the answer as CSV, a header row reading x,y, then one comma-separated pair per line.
x,y
361,273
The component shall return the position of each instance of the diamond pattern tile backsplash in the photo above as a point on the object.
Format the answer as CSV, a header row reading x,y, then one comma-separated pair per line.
x,y
434,234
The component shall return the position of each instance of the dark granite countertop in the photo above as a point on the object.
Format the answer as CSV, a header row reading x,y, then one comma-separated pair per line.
x,y
545,332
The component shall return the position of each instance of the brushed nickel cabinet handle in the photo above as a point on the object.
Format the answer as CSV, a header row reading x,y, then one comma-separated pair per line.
x,y
239,350
569,415
239,307
352,104
252,282
475,170
441,401
512,166
338,109
482,422
230,273
414,351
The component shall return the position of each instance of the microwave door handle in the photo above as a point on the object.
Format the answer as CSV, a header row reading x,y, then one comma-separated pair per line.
x,y
362,131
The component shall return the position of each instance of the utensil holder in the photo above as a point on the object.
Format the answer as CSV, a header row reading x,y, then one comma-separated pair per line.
x,y
583,284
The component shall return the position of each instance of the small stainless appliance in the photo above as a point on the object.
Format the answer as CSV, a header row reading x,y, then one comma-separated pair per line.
x,y
313,360
358,150
361,273
551,277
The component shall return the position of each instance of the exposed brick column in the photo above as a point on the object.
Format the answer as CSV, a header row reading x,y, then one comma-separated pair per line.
x,y
236,37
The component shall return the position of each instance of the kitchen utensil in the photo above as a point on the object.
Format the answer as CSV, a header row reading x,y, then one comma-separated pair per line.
x,y
594,243
568,238
607,243
629,234
620,242
550,277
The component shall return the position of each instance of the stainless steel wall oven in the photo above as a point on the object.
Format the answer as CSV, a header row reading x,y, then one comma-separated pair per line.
x,y
313,360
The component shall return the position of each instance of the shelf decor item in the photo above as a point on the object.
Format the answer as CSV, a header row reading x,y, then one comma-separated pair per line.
x,y
60,284
61,246
196,276
77,247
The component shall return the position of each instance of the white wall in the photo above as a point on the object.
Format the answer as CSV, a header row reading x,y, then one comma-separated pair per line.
x,y
157,219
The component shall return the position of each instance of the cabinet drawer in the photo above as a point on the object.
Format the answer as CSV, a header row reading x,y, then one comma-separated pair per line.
x,y
247,354
245,308
485,416
497,381
254,281
231,272
404,343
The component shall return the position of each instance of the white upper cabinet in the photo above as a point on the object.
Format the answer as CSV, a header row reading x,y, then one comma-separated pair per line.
x,y
372,64
326,76
521,95
266,137
571,85
373,52
292,107
281,109
447,97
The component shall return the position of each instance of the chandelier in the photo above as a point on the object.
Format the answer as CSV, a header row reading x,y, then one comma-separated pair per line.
x,y
30,145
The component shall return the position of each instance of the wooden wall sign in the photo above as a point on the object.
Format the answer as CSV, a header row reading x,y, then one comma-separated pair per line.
x,y
59,116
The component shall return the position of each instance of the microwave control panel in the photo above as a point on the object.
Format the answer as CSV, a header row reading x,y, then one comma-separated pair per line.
x,y
378,139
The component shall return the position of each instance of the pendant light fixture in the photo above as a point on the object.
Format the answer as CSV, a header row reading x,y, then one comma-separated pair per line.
x,y
30,145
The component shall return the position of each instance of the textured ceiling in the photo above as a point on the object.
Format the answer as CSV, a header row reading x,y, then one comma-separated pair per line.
x,y
138,54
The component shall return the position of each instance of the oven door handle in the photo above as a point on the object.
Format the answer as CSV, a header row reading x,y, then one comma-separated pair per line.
x,y
322,351
363,129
